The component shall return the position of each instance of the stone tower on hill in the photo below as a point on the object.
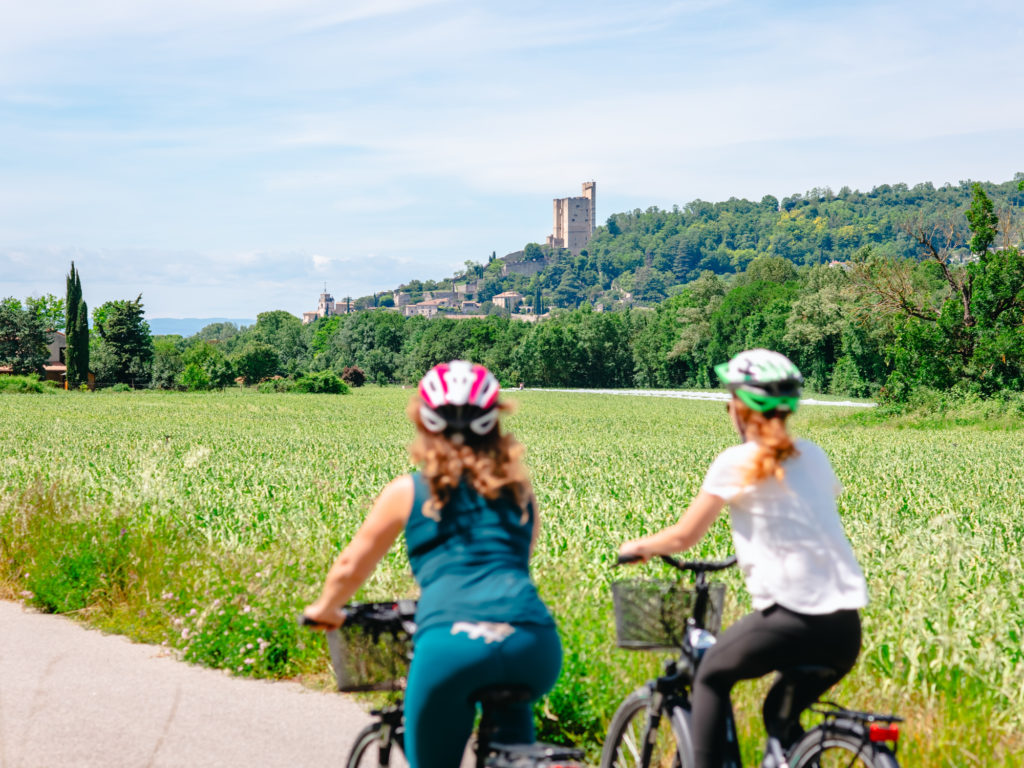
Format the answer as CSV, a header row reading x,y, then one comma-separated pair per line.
x,y
575,219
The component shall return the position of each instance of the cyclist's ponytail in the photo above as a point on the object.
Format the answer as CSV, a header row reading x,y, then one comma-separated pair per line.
x,y
774,442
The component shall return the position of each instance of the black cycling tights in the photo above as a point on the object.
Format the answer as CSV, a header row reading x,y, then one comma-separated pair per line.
x,y
773,639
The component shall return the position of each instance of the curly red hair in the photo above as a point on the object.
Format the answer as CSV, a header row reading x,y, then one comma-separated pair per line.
x,y
492,464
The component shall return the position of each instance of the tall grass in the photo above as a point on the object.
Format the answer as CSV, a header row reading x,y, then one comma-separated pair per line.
x,y
206,521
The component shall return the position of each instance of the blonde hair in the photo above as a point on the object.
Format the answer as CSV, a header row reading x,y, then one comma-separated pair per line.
x,y
774,443
491,464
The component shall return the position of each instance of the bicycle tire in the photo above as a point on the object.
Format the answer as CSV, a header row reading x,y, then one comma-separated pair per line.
x,y
628,730
365,752
828,747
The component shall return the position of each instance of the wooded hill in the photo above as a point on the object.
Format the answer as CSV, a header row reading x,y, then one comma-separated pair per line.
x,y
644,256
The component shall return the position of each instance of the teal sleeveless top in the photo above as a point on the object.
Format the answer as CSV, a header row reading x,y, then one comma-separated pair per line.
x,y
473,565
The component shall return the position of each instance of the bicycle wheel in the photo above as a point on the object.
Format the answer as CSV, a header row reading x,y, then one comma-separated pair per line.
x,y
366,751
827,747
623,748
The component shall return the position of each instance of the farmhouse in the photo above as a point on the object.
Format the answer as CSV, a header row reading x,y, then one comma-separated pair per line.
x,y
55,368
427,309
508,300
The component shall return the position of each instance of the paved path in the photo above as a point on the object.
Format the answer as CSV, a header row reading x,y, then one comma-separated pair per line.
x,y
687,394
73,696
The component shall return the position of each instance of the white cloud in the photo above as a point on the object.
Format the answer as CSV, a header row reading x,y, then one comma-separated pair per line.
x,y
321,263
246,151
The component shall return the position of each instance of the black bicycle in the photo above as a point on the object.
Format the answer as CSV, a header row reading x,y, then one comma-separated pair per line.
x,y
652,727
372,651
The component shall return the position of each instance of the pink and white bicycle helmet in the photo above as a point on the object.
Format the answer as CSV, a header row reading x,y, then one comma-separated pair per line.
x,y
458,396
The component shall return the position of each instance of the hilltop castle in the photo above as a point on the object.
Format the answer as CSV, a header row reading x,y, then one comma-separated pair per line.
x,y
575,219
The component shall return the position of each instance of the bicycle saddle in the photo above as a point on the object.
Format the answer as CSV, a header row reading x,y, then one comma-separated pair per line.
x,y
498,695
804,671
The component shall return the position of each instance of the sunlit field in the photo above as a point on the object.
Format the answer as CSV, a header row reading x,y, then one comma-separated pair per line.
x,y
206,521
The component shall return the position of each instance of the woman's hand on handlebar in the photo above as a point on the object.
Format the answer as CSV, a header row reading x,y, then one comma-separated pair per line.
x,y
633,552
319,616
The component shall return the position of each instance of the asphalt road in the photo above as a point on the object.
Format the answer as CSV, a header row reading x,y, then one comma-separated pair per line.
x,y
73,696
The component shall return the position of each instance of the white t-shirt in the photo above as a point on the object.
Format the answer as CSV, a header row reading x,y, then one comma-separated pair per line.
x,y
788,537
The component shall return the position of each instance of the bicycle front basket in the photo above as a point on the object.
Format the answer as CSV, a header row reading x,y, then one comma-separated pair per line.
x,y
651,615
369,661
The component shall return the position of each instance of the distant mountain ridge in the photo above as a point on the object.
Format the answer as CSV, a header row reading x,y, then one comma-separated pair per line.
x,y
188,326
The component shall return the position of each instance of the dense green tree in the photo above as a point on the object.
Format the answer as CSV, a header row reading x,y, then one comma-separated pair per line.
x,y
533,252
256,361
221,332
772,269
194,379
982,220
50,310
23,338
569,291
209,357
282,331
168,361
125,345
649,285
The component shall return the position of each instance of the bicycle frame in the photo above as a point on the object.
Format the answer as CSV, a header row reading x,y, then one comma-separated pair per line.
x,y
670,693
669,696
397,618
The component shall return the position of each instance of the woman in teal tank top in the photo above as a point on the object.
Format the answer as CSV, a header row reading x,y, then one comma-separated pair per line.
x,y
470,521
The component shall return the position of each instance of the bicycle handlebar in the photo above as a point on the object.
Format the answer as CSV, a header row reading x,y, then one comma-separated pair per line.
x,y
390,616
305,621
697,566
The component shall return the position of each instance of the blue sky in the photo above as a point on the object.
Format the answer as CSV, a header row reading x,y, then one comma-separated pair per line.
x,y
226,158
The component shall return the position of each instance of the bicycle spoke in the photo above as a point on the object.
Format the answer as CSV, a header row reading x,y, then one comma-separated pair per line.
x,y
629,749
839,755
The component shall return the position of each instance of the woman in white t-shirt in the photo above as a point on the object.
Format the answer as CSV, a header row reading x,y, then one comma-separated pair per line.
x,y
804,580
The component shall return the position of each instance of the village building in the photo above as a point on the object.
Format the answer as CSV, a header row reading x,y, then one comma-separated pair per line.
x,y
426,309
326,307
508,300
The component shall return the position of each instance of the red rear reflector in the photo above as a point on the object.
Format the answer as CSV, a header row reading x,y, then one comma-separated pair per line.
x,y
880,732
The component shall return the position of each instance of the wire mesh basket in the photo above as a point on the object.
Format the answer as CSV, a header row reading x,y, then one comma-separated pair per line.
x,y
651,615
370,658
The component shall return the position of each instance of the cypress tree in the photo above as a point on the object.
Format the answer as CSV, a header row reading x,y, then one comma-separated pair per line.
x,y
82,339
72,303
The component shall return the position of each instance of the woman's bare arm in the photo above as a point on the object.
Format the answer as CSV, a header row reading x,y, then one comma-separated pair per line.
x,y
356,562
682,535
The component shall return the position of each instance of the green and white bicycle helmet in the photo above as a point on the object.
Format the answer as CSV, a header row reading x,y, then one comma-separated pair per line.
x,y
764,380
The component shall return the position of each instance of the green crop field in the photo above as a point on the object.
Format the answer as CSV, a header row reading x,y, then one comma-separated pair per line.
x,y
205,521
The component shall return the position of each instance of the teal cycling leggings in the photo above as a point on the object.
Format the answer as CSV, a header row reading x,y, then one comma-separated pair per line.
x,y
453,661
